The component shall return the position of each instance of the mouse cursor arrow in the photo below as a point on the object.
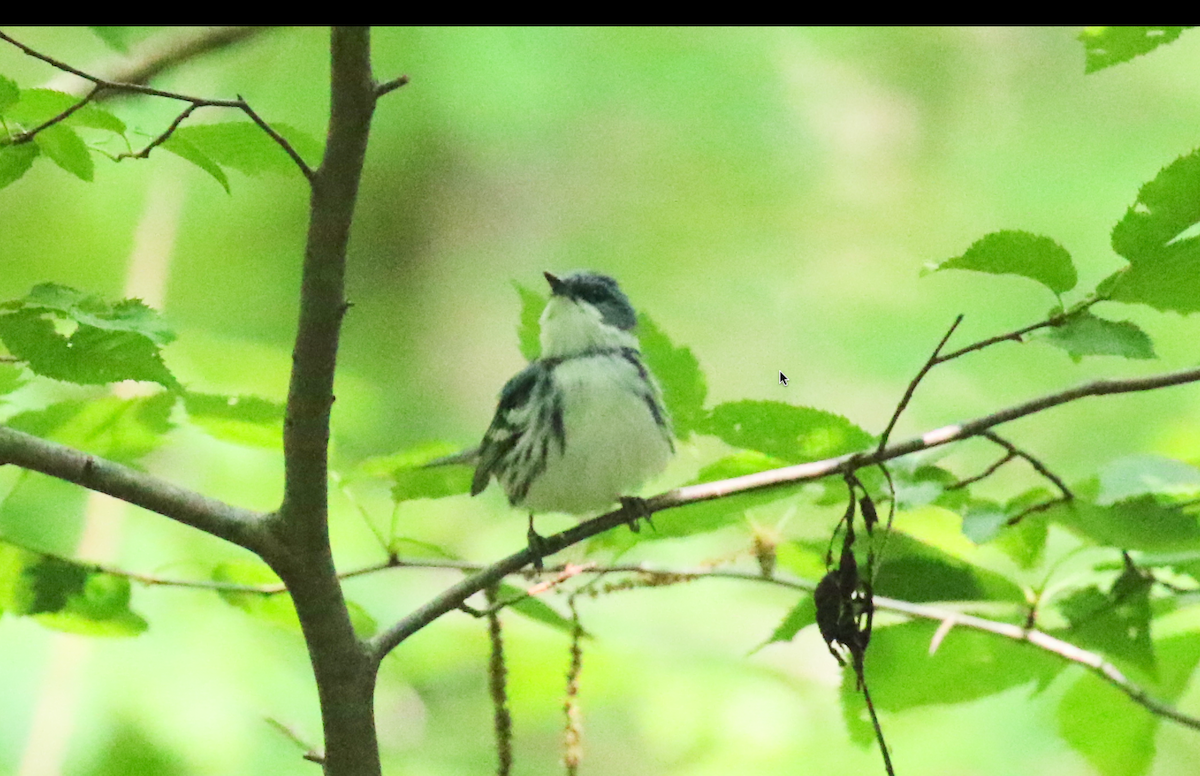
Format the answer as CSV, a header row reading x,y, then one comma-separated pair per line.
x,y
783,379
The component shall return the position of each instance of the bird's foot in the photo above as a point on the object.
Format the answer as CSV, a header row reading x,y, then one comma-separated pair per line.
x,y
537,545
637,509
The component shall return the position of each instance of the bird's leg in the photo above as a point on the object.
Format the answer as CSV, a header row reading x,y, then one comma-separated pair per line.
x,y
537,544
637,509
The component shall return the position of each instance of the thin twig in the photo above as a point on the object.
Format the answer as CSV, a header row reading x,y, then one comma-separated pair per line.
x,y
101,84
162,138
983,475
1034,462
930,363
311,753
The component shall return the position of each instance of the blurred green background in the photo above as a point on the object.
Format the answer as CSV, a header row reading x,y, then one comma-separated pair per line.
x,y
768,196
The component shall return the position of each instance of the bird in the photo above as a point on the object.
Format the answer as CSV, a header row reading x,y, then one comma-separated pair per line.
x,y
582,426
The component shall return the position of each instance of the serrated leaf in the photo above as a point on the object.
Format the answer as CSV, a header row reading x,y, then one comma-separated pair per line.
x,y
1141,523
121,430
308,147
792,434
1014,252
89,356
1111,731
184,149
1140,475
1089,335
1116,623
530,329
276,608
241,145
534,608
126,315
15,161
247,420
1164,266
678,372
66,149
1108,46
10,93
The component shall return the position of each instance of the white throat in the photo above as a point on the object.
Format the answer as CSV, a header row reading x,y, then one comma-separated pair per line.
x,y
571,327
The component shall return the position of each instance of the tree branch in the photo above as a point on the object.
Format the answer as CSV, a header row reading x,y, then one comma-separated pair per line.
x,y
243,527
453,597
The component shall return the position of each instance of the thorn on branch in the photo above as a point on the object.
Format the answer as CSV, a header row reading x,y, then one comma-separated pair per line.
x,y
390,86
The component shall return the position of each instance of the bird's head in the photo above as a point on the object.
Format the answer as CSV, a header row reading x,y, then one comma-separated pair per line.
x,y
586,311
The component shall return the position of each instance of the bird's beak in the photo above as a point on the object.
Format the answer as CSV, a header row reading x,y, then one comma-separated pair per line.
x,y
556,285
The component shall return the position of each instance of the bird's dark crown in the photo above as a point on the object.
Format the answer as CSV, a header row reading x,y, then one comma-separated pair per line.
x,y
600,291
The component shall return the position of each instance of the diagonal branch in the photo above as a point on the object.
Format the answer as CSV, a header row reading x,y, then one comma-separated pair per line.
x,y
240,526
453,598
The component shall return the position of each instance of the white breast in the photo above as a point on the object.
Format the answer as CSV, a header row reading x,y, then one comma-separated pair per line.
x,y
613,444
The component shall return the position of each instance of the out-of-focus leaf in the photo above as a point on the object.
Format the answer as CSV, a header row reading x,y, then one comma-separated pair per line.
x,y
276,608
130,315
66,149
11,378
678,372
1113,733
121,38
1018,253
121,430
308,147
129,750
413,480
247,420
968,664
1107,46
1141,523
915,571
184,149
1164,266
100,608
1140,475
1088,335
363,623
534,608
803,614
792,434
39,105
530,329
1025,542
1117,622
49,583
15,161
983,520
241,145
9,93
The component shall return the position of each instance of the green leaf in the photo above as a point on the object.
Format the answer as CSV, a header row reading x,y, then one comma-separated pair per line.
x,y
89,356
39,105
1025,542
529,331
1088,335
67,150
185,150
1116,623
246,420
678,373
1018,253
1107,46
130,315
1111,731
15,161
534,608
122,430
361,620
308,147
274,608
49,583
1164,265
121,38
902,674
414,481
241,145
803,614
101,608
791,434
1141,523
915,571
10,94
1140,475
11,378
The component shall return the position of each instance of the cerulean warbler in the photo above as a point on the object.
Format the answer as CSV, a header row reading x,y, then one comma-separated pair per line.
x,y
583,426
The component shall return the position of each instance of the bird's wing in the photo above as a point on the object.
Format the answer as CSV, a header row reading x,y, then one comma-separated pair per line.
x,y
509,424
